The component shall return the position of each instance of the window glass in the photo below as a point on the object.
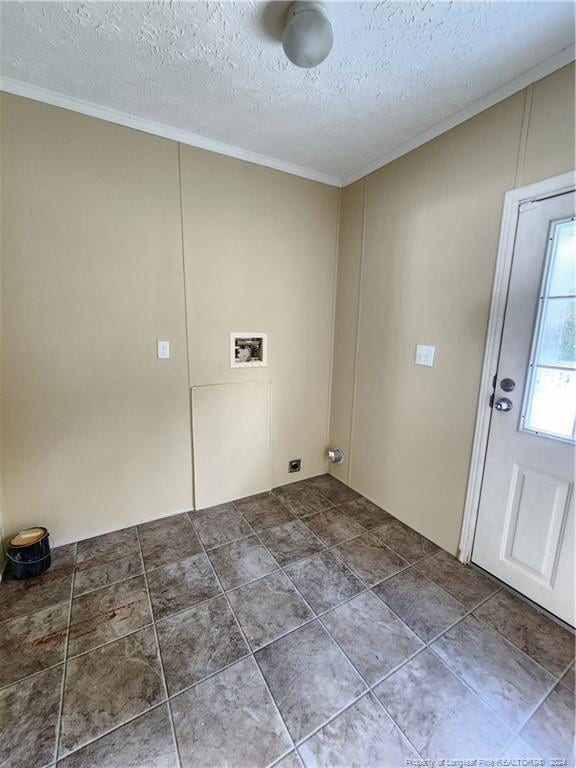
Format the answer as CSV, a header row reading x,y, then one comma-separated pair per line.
x,y
563,278
551,393
553,402
558,344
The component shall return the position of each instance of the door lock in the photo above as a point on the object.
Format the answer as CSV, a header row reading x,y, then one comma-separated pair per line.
x,y
507,385
503,404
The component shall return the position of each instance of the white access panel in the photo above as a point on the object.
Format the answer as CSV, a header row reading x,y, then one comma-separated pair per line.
x,y
231,440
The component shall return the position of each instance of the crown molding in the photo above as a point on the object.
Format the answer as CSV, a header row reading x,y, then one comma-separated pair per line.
x,y
545,68
19,88
34,92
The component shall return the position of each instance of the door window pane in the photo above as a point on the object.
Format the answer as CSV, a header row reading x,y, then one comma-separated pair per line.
x,y
553,402
550,405
563,278
558,343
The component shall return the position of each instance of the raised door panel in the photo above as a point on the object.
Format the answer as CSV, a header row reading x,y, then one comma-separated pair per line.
x,y
534,524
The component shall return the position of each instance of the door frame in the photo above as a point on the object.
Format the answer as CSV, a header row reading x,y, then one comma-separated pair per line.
x,y
514,201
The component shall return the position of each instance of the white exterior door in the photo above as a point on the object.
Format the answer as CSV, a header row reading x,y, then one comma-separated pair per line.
x,y
525,528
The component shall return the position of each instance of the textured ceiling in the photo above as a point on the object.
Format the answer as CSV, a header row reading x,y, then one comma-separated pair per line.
x,y
217,69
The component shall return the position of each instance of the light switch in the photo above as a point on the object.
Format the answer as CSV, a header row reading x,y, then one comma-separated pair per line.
x,y
425,355
163,350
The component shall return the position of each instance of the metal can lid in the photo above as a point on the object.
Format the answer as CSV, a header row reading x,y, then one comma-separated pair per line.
x,y
27,537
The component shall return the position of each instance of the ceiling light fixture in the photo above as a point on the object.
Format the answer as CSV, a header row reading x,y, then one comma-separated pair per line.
x,y
307,37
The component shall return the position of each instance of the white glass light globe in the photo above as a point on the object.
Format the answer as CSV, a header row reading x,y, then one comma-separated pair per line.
x,y
307,37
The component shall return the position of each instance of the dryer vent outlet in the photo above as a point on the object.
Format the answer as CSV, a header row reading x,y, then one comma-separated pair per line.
x,y
294,465
336,455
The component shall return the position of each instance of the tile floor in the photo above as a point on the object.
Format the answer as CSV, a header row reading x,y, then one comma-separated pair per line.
x,y
305,626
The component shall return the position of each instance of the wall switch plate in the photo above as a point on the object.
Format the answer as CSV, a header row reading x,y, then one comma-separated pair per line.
x,y
425,355
163,350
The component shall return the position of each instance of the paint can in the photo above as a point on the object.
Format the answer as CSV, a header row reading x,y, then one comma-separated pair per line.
x,y
29,553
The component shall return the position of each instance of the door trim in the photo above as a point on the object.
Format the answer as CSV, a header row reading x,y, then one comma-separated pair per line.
x,y
513,201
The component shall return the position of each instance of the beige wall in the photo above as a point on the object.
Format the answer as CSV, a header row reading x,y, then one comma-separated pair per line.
x,y
260,249
430,221
549,142
96,239
95,430
346,321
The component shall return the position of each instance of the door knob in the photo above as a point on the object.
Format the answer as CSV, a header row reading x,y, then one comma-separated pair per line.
x,y
503,404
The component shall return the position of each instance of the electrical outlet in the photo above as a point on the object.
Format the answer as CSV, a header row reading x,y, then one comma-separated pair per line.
x,y
294,465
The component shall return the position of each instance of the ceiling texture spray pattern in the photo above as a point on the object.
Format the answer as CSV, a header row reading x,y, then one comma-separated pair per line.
x,y
217,69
